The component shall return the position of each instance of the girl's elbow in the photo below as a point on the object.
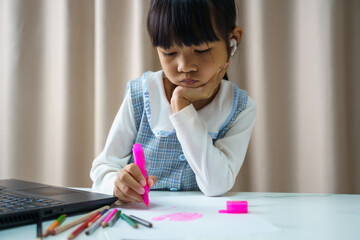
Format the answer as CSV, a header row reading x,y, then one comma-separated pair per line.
x,y
213,191
216,187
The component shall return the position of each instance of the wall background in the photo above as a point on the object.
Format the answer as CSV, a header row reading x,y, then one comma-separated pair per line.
x,y
64,66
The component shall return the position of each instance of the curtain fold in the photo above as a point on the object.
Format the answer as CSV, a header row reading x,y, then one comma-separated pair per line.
x,y
64,66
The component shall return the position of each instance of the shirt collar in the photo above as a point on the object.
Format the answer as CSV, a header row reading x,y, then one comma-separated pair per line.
x,y
158,108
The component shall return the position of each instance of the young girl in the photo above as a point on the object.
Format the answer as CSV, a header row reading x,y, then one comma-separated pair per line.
x,y
194,127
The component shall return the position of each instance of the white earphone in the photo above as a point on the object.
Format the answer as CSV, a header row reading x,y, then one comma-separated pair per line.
x,y
233,44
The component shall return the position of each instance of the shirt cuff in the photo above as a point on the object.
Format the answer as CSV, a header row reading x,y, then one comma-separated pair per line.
x,y
106,186
182,116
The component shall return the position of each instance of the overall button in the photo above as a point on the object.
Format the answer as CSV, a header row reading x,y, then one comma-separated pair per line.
x,y
173,189
182,157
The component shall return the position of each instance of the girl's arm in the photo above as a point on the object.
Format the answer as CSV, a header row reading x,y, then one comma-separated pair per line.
x,y
215,166
117,150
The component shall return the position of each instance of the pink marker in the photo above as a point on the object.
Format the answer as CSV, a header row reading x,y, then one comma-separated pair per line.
x,y
105,223
139,160
235,207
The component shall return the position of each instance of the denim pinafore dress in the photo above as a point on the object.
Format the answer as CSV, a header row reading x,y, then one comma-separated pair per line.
x,y
163,153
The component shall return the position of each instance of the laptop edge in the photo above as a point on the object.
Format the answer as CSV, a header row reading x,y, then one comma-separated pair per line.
x,y
73,201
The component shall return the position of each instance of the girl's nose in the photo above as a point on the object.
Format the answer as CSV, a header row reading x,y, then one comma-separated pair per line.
x,y
186,64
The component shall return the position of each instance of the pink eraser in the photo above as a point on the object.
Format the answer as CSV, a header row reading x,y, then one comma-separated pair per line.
x,y
235,207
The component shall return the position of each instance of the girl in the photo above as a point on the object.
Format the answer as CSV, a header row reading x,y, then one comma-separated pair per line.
x,y
194,126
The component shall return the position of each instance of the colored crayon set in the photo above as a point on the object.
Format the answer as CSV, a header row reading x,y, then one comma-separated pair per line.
x,y
102,217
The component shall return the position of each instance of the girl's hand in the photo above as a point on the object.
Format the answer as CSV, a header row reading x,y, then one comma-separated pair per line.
x,y
129,184
184,96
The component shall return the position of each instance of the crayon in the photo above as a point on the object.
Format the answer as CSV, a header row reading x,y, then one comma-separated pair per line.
x,y
77,221
114,219
56,223
82,227
128,220
141,221
97,217
97,224
108,217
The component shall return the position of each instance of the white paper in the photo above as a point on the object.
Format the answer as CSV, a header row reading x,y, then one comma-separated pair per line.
x,y
210,224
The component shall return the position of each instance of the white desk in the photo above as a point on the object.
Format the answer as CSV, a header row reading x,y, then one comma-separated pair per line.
x,y
297,216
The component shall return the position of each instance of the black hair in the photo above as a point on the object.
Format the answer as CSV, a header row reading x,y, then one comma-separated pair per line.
x,y
190,22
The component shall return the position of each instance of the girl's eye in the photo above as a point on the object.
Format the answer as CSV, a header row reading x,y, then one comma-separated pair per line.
x,y
203,51
169,54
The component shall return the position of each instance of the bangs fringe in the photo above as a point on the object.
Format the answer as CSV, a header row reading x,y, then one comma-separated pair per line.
x,y
181,23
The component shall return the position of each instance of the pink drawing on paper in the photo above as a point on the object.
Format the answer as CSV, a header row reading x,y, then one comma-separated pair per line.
x,y
181,216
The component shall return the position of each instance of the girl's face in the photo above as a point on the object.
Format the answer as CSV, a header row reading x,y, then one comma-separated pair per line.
x,y
193,66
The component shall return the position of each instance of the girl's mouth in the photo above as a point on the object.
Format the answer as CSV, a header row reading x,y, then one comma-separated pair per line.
x,y
189,81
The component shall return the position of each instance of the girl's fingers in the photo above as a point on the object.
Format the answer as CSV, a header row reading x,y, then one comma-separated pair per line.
x,y
127,183
125,193
135,179
222,70
152,180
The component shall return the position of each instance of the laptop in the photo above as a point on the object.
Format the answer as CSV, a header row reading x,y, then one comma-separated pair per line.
x,y
23,202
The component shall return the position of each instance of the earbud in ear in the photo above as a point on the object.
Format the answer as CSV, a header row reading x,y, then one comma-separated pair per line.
x,y
233,45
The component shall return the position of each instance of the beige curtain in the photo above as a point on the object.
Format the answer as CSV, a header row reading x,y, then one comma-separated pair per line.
x,y
64,65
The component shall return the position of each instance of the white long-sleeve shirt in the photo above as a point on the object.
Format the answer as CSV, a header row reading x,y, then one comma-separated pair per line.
x,y
215,165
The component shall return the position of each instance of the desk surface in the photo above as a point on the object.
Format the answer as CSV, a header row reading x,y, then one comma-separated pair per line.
x,y
298,216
